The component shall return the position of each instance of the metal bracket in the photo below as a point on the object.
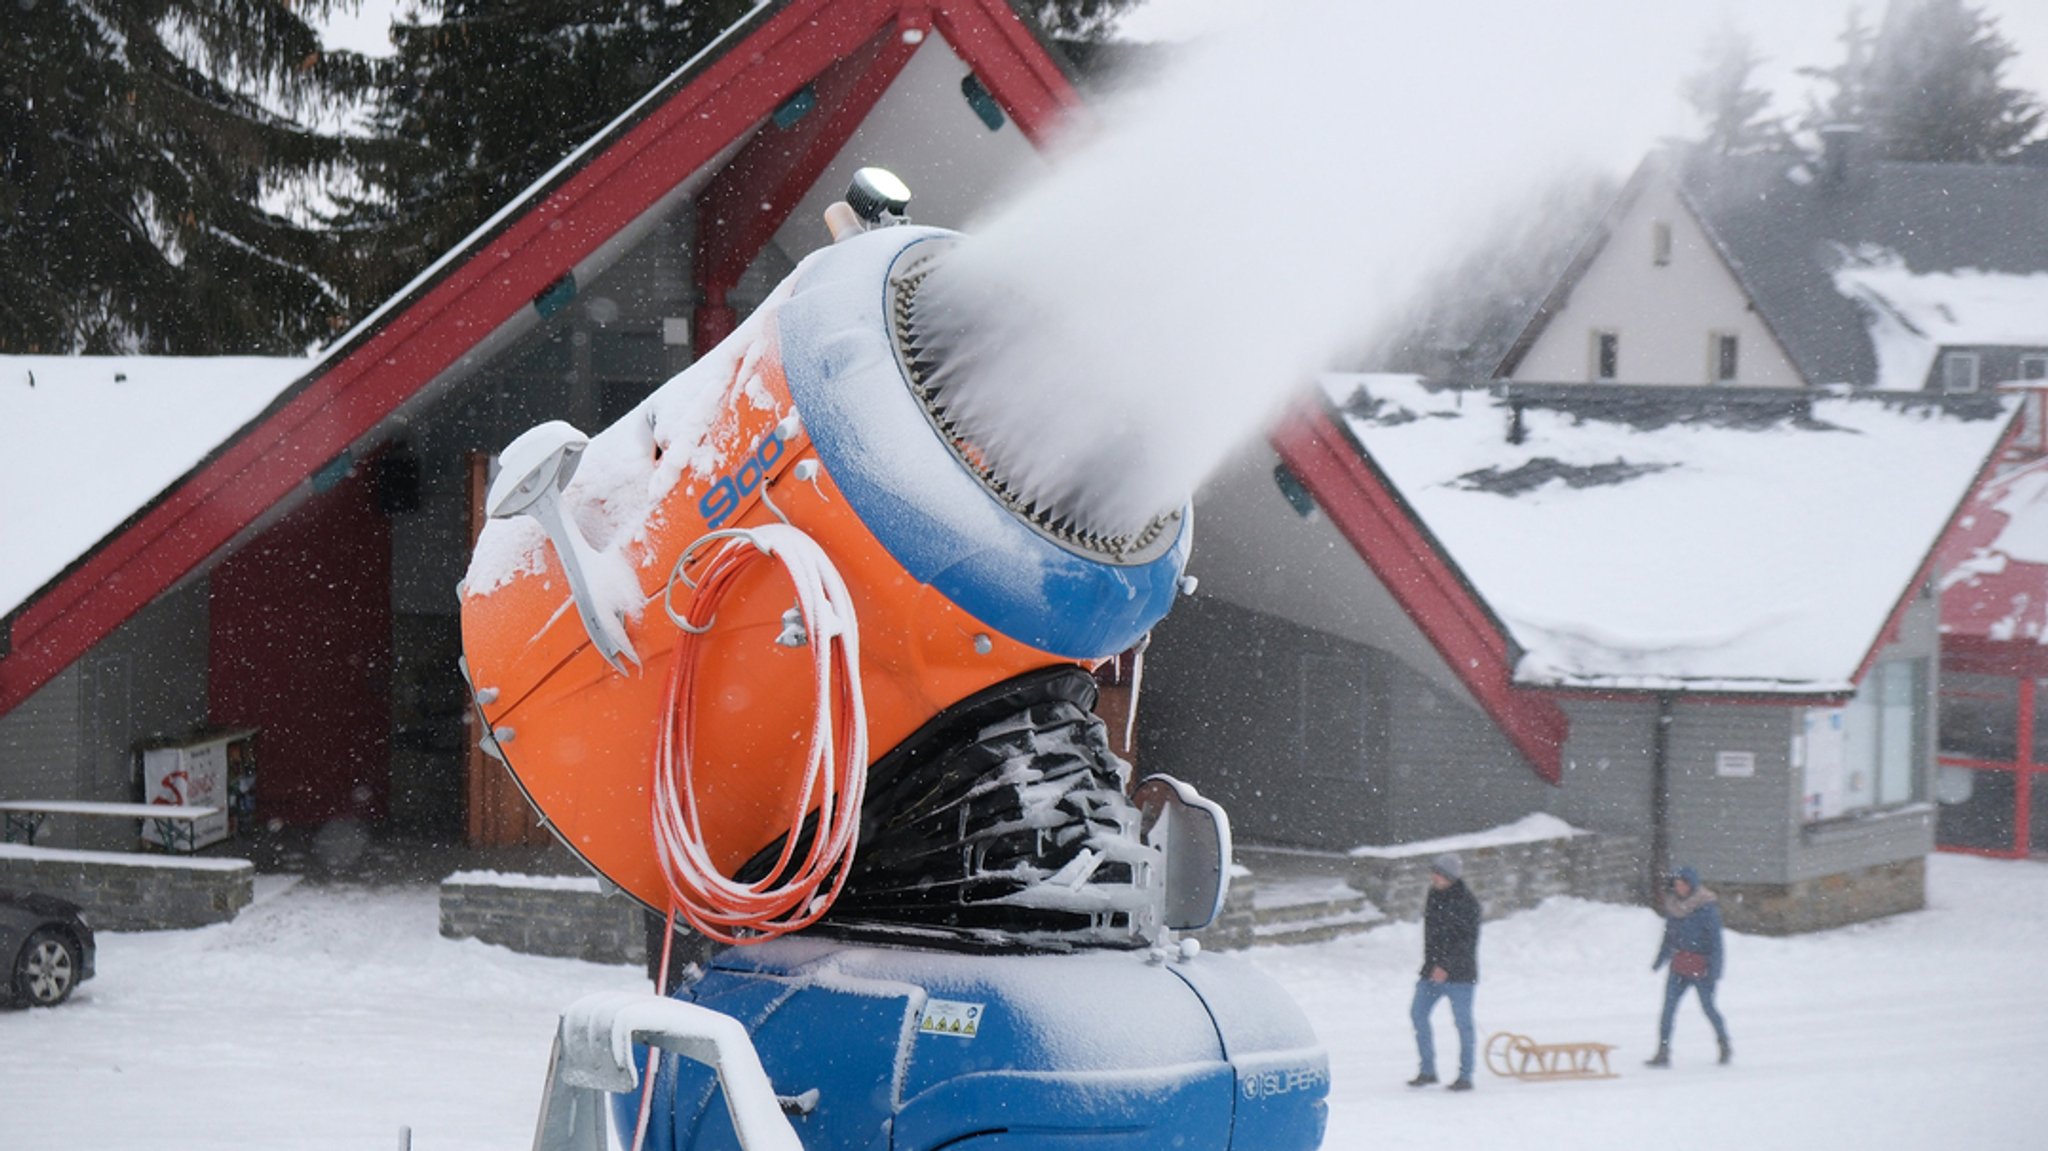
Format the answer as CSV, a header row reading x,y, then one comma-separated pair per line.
x,y
593,1055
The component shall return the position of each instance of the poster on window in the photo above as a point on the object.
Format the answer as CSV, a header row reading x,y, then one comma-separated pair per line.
x,y
1823,746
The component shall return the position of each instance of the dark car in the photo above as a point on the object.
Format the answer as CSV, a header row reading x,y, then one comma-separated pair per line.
x,y
46,946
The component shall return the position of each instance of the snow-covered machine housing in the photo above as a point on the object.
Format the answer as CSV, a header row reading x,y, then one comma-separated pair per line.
x,y
780,651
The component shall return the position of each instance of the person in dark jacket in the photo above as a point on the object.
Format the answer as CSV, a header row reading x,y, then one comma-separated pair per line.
x,y
1450,968
1692,946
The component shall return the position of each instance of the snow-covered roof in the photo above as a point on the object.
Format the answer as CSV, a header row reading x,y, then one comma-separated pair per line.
x,y
1912,316
1994,562
87,441
1639,539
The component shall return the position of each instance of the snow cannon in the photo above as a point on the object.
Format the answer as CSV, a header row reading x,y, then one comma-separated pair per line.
x,y
784,652
782,646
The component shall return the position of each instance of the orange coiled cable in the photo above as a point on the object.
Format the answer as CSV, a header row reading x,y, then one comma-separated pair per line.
x,y
788,897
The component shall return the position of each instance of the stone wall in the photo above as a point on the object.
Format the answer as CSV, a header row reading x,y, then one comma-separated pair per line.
x,y
136,891
1505,877
1824,902
568,916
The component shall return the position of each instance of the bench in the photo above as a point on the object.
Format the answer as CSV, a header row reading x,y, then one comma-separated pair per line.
x,y
1514,1056
174,823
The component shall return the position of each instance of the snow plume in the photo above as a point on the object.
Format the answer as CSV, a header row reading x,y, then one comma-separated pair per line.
x,y
1274,198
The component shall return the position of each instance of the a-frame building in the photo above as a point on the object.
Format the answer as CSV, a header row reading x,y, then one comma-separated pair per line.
x,y
300,579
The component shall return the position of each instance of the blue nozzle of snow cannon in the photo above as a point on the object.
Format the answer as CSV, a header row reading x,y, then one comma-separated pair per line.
x,y
936,518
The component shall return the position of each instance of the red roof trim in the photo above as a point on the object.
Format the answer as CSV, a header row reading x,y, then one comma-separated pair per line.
x,y
1894,622
1380,527
351,394
754,194
1017,70
1982,656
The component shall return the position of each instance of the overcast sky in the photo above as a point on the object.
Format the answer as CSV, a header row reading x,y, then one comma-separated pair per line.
x,y
1790,34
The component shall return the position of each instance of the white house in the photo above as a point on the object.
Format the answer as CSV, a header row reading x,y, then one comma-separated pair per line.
x,y
1772,271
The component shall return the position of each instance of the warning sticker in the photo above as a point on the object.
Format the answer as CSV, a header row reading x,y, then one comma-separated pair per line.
x,y
950,1017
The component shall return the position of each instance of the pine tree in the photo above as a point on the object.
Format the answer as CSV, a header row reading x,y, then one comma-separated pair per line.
x,y
1936,86
1079,19
487,95
1848,103
1722,94
140,141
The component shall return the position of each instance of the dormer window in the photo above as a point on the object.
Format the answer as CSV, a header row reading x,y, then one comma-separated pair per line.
x,y
1660,243
1959,372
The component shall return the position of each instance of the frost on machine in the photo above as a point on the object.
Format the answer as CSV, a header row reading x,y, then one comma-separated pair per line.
x,y
782,654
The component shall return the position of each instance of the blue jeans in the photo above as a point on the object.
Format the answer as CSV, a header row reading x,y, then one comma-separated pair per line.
x,y
1426,995
1674,990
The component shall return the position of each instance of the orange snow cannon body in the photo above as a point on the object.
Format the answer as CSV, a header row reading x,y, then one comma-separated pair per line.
x,y
637,605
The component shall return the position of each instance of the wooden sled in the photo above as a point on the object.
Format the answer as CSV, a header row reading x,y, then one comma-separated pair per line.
x,y
1514,1056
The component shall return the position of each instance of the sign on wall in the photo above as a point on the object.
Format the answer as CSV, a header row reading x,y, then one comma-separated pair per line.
x,y
1735,764
218,772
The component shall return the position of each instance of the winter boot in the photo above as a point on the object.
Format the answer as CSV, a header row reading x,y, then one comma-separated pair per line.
x,y
1460,1084
1661,1059
1423,1079
1727,1053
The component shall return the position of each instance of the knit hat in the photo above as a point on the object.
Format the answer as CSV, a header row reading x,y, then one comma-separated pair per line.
x,y
1448,866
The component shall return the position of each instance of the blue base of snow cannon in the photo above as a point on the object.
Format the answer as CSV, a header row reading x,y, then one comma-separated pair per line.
x,y
895,1049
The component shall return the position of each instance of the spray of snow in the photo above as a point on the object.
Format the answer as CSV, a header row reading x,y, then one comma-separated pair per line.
x,y
1272,200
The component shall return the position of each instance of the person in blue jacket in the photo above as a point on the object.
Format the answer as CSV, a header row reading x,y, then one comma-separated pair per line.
x,y
1450,968
1692,946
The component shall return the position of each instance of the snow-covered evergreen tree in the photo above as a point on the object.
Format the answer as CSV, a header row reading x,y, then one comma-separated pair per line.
x,y
489,94
1929,84
144,149
1937,86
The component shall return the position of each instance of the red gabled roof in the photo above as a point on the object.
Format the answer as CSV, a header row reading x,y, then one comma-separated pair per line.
x,y
1373,518
674,133
1994,582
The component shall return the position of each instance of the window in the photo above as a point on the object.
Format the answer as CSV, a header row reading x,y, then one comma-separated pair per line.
x,y
1978,809
1660,243
1869,753
1722,353
1980,716
1606,355
2034,367
1959,372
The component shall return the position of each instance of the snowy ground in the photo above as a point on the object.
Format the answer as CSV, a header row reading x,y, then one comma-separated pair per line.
x,y
327,1017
